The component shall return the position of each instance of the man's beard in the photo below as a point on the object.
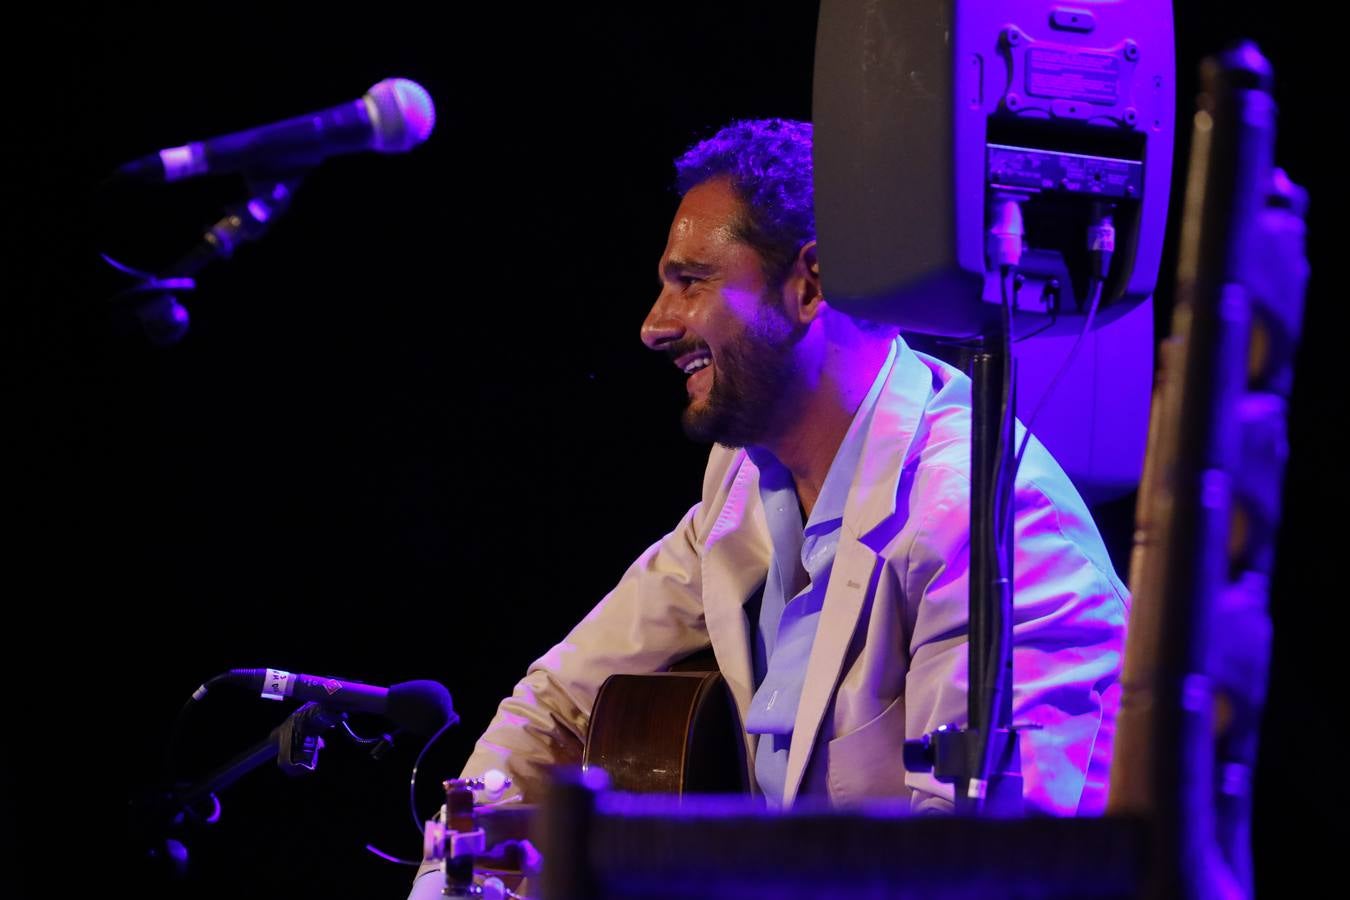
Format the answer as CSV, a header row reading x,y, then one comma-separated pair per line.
x,y
754,379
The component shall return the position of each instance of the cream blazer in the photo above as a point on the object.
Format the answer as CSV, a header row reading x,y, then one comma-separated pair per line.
x,y
889,659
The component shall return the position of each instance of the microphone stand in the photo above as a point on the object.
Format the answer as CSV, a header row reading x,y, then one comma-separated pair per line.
x,y
294,744
983,760
163,319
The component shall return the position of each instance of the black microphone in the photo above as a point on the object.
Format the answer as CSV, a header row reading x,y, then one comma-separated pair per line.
x,y
420,706
395,116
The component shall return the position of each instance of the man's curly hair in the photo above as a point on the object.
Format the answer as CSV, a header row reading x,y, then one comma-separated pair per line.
x,y
769,164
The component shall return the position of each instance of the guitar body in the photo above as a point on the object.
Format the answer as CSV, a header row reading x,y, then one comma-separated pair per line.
x,y
668,733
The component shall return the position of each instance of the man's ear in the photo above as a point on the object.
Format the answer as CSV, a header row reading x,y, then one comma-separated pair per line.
x,y
802,296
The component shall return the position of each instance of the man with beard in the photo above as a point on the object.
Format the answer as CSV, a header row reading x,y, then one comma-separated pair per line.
x,y
827,561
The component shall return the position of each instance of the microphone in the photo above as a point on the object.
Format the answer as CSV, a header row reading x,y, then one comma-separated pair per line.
x,y
393,117
420,706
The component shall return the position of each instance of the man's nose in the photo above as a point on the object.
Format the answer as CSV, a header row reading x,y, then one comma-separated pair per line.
x,y
662,327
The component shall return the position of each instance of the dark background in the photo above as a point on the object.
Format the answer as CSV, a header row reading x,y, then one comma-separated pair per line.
x,y
412,434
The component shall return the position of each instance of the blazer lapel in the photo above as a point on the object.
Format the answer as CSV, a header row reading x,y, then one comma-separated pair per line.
x,y
851,583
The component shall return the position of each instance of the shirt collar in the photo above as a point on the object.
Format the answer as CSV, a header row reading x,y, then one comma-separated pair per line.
x,y
829,507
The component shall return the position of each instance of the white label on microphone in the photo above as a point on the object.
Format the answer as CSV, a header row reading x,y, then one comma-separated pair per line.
x,y
277,685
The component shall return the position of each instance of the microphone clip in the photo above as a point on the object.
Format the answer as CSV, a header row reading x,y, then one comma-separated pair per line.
x,y
299,740
153,299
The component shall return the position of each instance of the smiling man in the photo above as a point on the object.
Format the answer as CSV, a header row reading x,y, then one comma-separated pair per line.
x,y
826,563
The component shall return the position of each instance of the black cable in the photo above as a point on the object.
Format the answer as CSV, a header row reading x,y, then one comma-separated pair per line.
x,y
417,763
1094,300
180,723
412,797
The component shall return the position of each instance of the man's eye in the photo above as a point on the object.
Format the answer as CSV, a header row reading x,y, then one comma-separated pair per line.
x,y
688,280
